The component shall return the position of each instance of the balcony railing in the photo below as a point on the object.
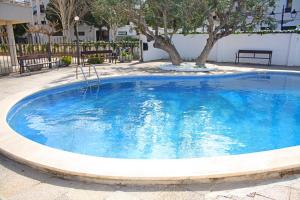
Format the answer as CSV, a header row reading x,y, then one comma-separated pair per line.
x,y
17,2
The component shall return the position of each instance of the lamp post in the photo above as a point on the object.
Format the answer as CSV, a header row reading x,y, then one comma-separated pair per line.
x,y
282,17
76,18
293,15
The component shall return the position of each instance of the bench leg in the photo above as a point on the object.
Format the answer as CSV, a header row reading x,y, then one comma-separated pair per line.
x,y
235,59
22,69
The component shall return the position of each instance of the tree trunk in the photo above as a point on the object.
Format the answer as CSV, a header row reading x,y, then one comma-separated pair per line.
x,y
201,60
65,35
167,46
113,32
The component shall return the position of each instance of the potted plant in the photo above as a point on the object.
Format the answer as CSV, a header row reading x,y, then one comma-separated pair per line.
x,y
65,61
125,56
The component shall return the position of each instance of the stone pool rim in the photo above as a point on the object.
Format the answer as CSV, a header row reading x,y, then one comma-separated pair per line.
x,y
139,171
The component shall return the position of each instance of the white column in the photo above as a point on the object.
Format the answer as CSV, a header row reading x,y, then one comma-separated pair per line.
x,y
12,45
38,11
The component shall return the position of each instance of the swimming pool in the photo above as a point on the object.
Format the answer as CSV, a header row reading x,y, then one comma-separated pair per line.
x,y
165,117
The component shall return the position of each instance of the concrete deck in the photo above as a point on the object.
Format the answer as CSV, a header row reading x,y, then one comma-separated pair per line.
x,y
20,182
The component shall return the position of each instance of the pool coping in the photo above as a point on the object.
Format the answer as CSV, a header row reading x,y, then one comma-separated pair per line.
x,y
135,171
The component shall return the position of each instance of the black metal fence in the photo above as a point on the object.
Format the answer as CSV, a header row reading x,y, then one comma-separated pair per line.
x,y
127,51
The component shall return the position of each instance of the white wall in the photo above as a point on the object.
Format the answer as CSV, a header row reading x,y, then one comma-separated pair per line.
x,y
128,29
89,32
285,47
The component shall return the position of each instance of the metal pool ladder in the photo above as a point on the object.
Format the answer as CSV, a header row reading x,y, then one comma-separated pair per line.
x,y
85,77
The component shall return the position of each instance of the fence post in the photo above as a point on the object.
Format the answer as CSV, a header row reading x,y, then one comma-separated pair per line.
x,y
141,51
21,61
49,52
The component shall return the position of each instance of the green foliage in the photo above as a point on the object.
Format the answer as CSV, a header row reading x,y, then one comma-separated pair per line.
x,y
44,47
67,60
127,39
20,29
164,13
124,54
109,11
95,60
3,47
224,17
30,48
52,16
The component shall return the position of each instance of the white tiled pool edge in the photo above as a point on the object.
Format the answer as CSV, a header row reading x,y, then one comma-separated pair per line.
x,y
106,170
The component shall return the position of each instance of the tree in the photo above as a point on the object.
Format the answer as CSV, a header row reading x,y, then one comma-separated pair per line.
x,y
158,20
109,11
20,30
48,30
224,17
65,11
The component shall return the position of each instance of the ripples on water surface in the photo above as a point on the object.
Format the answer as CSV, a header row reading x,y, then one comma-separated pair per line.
x,y
166,117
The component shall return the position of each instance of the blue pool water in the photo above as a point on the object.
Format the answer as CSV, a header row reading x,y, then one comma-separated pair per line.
x,y
166,117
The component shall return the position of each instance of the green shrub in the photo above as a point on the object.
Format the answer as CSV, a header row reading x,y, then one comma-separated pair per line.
x,y
124,54
67,60
95,60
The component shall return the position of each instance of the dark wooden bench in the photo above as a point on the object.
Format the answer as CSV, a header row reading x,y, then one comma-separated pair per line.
x,y
253,54
35,62
107,54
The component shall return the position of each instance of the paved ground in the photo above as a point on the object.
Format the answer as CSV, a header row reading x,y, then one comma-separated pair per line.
x,y
18,182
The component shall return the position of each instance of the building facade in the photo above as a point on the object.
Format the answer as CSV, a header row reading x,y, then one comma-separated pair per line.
x,y
8,17
85,32
286,14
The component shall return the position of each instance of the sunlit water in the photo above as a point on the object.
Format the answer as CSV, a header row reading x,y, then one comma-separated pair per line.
x,y
166,117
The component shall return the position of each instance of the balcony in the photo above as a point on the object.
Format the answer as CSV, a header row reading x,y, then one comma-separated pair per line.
x,y
15,11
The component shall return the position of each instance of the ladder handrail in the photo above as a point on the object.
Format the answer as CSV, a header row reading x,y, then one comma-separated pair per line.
x,y
84,75
96,73
85,78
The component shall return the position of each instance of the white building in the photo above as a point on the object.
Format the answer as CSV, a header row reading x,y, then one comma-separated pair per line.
x,y
286,14
85,32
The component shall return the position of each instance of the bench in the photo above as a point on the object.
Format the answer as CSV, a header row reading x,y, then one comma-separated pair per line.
x,y
254,53
36,62
107,54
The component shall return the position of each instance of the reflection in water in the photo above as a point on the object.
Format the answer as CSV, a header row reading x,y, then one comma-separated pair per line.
x,y
217,145
173,118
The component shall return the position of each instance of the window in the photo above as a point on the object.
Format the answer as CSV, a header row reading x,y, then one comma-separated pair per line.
x,y
42,8
81,33
34,10
264,28
289,4
122,33
43,22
